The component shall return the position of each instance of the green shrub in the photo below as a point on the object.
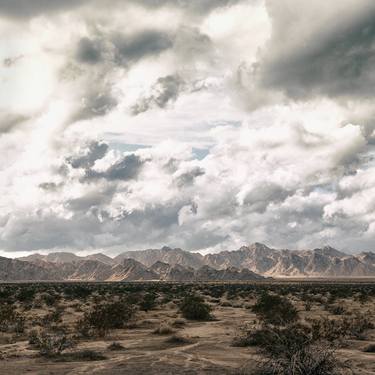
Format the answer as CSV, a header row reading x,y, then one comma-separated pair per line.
x,y
104,317
311,360
115,346
81,355
276,340
193,307
274,309
148,302
10,320
50,344
178,340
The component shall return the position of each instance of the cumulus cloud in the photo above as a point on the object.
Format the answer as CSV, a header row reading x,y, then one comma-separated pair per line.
x,y
88,156
282,107
323,57
27,9
166,90
286,184
127,168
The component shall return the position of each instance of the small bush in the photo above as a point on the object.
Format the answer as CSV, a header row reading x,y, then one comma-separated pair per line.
x,y
333,329
312,360
178,340
163,329
115,346
104,317
369,348
193,307
10,320
275,340
50,344
148,302
81,355
274,309
290,350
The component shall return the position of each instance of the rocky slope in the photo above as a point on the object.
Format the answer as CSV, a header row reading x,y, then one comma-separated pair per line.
x,y
126,270
165,255
246,263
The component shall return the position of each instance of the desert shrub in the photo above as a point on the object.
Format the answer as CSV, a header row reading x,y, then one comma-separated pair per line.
x,y
104,317
50,344
369,348
49,299
310,360
55,316
363,297
333,329
178,340
77,291
274,309
115,346
308,306
26,294
148,302
276,340
164,329
193,307
10,320
290,350
336,310
81,355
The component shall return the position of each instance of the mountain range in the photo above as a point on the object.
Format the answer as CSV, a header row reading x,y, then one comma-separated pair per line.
x,y
251,262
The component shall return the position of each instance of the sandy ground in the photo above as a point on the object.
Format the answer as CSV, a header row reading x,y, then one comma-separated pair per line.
x,y
208,351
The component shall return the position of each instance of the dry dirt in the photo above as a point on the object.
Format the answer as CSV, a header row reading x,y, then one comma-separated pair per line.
x,y
208,349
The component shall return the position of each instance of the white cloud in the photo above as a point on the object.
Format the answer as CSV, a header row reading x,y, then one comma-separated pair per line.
x,y
287,167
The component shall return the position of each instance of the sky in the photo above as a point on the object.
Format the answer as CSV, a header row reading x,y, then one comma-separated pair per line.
x,y
199,124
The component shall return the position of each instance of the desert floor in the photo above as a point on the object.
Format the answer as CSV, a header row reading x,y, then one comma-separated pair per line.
x,y
206,347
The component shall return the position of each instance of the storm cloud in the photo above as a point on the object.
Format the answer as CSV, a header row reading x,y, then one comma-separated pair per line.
x,y
105,104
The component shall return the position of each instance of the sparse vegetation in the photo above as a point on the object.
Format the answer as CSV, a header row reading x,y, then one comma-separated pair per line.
x,y
104,317
295,328
274,309
193,307
114,346
50,344
178,340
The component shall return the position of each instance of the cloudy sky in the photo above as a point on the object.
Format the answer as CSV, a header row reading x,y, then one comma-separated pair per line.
x,y
200,124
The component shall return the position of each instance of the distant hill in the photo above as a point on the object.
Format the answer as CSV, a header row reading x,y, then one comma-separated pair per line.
x,y
247,263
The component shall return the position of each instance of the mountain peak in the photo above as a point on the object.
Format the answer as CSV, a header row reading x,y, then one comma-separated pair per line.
x,y
330,251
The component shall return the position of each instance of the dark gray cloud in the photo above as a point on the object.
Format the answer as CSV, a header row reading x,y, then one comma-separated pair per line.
x,y
195,6
320,57
166,90
49,186
98,100
31,8
89,51
188,178
264,194
91,201
122,49
125,169
24,9
94,151
10,121
130,49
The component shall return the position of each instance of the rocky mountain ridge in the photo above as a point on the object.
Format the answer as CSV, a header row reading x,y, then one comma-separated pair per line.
x,y
127,270
166,263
